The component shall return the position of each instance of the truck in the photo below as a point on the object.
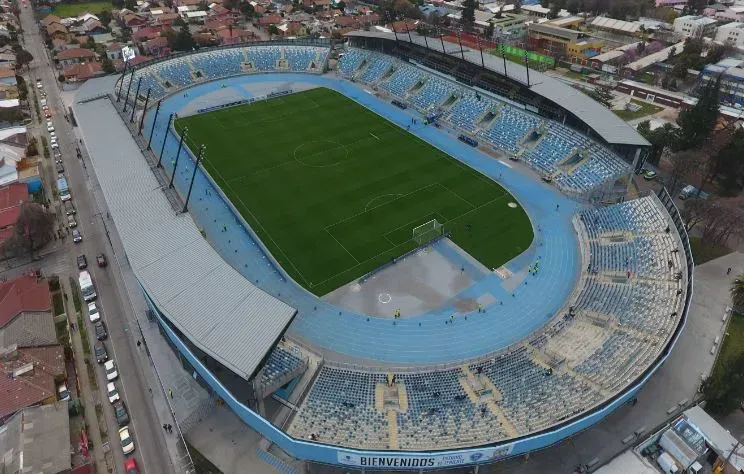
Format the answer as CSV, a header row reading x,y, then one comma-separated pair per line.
x,y
691,191
64,189
87,289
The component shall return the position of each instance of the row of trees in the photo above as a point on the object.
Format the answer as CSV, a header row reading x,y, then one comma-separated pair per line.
x,y
700,149
724,389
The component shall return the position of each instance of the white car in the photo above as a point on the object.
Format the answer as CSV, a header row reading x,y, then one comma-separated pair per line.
x,y
63,393
127,442
110,367
113,394
55,145
50,128
93,313
53,135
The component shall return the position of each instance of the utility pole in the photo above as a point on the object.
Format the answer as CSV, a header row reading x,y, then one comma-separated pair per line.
x,y
193,175
154,122
165,139
178,155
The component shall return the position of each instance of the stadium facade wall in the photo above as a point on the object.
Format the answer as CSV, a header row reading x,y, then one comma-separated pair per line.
x,y
373,460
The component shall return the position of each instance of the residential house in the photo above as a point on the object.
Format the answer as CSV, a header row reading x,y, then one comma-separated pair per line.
x,y
26,311
37,439
93,27
72,56
134,22
731,34
146,33
113,51
217,11
7,60
167,19
57,31
157,47
12,198
233,35
50,19
270,19
32,374
346,21
81,72
7,76
119,64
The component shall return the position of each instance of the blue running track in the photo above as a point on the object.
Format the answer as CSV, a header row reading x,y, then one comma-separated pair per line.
x,y
416,340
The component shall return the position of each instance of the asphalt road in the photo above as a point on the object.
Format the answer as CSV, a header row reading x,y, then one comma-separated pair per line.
x,y
151,451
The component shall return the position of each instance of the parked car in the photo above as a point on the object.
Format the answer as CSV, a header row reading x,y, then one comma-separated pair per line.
x,y
60,168
127,442
47,113
122,415
93,314
111,373
77,237
82,262
71,221
649,175
69,208
50,128
101,259
63,393
130,466
113,393
99,349
100,329
55,146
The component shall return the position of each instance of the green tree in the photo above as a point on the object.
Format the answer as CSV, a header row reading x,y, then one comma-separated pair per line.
x,y
468,14
105,17
247,10
23,58
602,94
183,40
729,163
517,6
545,3
573,6
341,5
22,88
490,29
724,389
273,30
554,11
107,65
737,291
696,123
660,139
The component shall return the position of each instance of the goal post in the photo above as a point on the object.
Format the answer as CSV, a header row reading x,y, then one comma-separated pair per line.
x,y
427,232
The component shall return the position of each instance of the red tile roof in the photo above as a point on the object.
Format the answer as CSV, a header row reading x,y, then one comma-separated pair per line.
x,y
146,33
82,71
32,387
13,195
76,53
24,293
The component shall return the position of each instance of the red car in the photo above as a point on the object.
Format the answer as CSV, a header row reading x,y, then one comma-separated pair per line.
x,y
130,466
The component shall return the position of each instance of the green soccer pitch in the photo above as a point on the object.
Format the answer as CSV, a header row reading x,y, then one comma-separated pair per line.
x,y
334,190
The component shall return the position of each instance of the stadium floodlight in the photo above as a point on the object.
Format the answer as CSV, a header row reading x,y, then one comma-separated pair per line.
x,y
427,232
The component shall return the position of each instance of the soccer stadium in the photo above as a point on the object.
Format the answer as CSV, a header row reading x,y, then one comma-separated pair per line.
x,y
392,253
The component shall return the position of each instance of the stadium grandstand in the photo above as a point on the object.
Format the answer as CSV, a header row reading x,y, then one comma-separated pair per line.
x,y
520,358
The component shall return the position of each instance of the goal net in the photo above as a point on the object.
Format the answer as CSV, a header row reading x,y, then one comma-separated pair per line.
x,y
427,232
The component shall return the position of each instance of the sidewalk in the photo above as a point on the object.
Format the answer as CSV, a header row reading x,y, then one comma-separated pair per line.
x,y
88,395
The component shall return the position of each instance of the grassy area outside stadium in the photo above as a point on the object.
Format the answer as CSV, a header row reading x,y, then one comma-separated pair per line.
x,y
334,190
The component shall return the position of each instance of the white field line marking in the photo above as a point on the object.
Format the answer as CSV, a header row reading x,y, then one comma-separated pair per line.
x,y
342,246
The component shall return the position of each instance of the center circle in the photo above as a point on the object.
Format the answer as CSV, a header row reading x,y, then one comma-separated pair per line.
x,y
321,153
384,298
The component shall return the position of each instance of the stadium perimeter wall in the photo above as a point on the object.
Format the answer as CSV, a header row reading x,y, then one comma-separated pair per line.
x,y
377,460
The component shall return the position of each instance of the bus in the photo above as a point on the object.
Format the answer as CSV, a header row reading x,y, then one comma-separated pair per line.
x,y
87,289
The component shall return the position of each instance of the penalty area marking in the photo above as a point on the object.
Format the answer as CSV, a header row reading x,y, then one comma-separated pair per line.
x,y
366,207
375,136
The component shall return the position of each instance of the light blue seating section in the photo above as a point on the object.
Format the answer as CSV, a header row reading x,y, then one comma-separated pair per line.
x,y
550,151
351,61
376,69
299,58
439,411
402,80
468,110
509,128
216,64
220,63
433,93
280,362
339,409
177,72
637,216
